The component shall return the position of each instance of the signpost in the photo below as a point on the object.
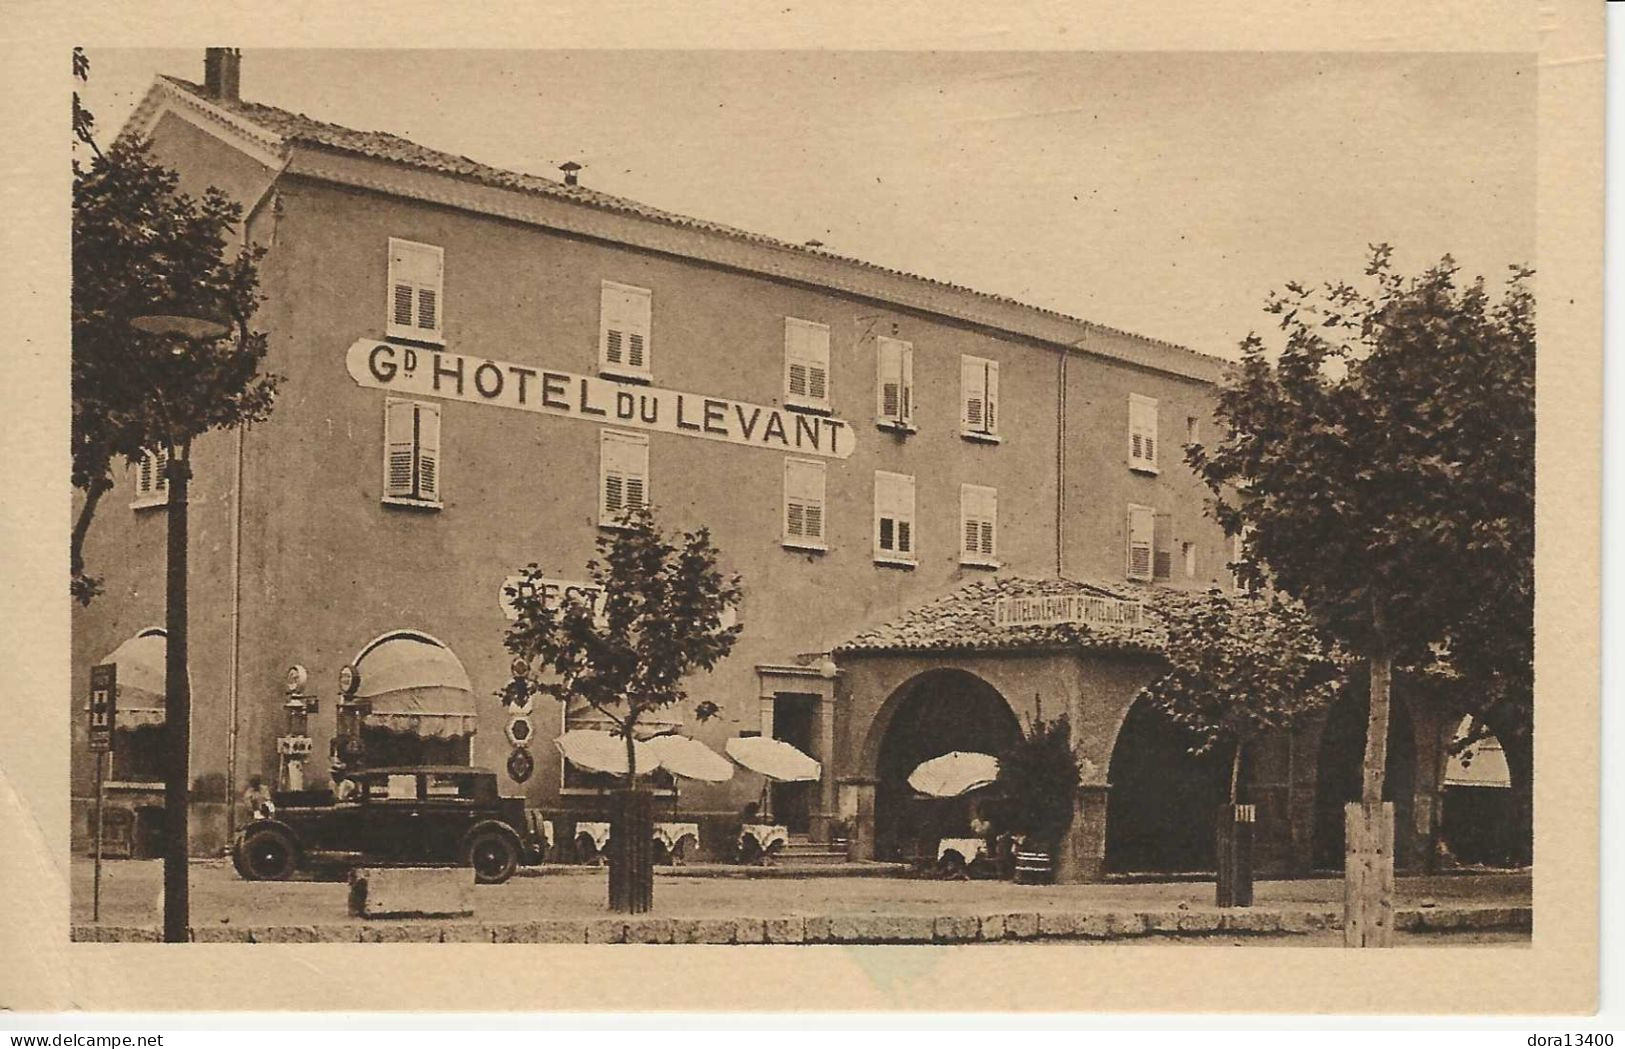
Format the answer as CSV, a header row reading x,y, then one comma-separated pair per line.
x,y
103,712
1054,609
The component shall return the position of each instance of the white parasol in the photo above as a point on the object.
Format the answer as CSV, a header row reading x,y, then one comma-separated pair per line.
x,y
601,752
773,758
690,759
954,773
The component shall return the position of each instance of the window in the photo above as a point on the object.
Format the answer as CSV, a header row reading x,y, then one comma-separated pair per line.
x,y
894,518
894,405
1142,433
806,364
414,291
978,398
1142,527
1188,552
804,504
151,480
978,525
1193,429
623,325
412,452
623,470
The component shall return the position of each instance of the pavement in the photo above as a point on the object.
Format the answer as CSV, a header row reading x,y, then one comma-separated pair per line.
x,y
542,905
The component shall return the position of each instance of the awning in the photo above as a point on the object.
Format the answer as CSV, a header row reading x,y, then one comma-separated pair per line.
x,y
417,686
140,679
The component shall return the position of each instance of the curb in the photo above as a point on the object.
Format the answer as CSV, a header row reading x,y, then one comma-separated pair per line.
x,y
838,929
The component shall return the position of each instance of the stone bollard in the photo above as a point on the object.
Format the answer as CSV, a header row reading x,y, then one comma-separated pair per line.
x,y
417,892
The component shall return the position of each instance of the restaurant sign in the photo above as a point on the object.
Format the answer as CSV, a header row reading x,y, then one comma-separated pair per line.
x,y
1053,609
421,372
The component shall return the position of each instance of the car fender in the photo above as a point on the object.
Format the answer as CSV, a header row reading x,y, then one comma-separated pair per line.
x,y
271,823
492,825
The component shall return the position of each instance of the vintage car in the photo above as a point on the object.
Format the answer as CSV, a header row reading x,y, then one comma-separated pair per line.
x,y
417,815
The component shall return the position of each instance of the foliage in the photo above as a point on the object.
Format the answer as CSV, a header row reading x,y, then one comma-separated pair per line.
x,y
1380,469
139,242
661,620
1038,780
1239,667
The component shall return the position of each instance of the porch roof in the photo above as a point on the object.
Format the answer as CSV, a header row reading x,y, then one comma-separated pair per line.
x,y
967,619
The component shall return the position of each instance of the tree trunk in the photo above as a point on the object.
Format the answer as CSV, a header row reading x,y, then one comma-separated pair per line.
x,y
631,839
1368,860
1235,773
177,712
1375,763
76,543
1234,840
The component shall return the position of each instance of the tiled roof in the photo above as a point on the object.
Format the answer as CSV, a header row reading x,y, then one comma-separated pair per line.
x,y
381,145
963,620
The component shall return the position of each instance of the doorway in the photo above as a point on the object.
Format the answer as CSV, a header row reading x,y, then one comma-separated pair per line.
x,y
795,721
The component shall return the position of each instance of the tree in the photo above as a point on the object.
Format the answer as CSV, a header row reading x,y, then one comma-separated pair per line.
x,y
138,243
143,249
1239,668
661,619
1379,469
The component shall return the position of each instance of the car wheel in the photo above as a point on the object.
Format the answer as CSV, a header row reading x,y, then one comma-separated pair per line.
x,y
493,856
267,855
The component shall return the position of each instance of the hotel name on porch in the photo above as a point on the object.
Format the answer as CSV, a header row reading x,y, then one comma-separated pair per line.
x,y
421,372
1052,609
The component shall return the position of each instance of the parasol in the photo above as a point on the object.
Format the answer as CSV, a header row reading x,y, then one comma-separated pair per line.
x,y
954,773
773,758
690,759
596,751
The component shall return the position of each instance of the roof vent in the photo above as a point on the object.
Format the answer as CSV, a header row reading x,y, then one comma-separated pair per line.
x,y
570,167
222,69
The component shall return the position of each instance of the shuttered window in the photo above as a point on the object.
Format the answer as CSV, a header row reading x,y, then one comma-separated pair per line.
x,y
1142,433
804,517
806,363
894,403
978,525
412,471
1142,526
623,343
894,517
623,468
151,475
978,397
415,299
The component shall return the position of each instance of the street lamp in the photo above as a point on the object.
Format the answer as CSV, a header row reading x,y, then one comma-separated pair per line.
x,y
188,323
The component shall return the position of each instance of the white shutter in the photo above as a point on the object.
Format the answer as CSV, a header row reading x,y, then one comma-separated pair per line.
x,y
1142,524
400,445
1142,427
978,517
992,385
894,515
895,402
624,327
428,452
806,361
907,417
973,394
803,501
416,272
624,474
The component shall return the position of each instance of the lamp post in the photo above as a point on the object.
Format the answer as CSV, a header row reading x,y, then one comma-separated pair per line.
x,y
187,324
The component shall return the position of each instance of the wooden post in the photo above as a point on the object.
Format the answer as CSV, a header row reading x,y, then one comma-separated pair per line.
x,y
1234,887
96,890
631,853
1368,877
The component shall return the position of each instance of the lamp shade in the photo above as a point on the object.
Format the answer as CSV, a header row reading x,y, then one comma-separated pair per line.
x,y
196,319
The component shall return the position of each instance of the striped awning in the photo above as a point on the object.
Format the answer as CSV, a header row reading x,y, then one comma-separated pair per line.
x,y
417,686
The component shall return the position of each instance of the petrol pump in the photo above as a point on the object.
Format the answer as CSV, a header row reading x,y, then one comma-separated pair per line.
x,y
348,753
293,749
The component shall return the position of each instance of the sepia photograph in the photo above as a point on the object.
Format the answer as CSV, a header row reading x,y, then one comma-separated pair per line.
x,y
796,498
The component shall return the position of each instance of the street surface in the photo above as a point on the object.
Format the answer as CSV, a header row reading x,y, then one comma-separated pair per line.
x,y
132,895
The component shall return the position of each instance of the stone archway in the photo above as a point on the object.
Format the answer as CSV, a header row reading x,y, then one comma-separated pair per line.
x,y
930,714
1160,811
1337,775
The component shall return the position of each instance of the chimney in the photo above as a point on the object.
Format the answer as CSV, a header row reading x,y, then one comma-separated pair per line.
x,y
571,171
222,68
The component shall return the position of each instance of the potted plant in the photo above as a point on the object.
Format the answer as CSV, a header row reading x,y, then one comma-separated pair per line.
x,y
1038,780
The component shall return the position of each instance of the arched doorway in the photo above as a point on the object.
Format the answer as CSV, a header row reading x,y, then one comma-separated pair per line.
x,y
1337,773
1480,823
936,712
1163,800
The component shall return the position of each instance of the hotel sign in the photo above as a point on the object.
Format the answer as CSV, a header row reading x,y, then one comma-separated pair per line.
x,y
1053,609
420,372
